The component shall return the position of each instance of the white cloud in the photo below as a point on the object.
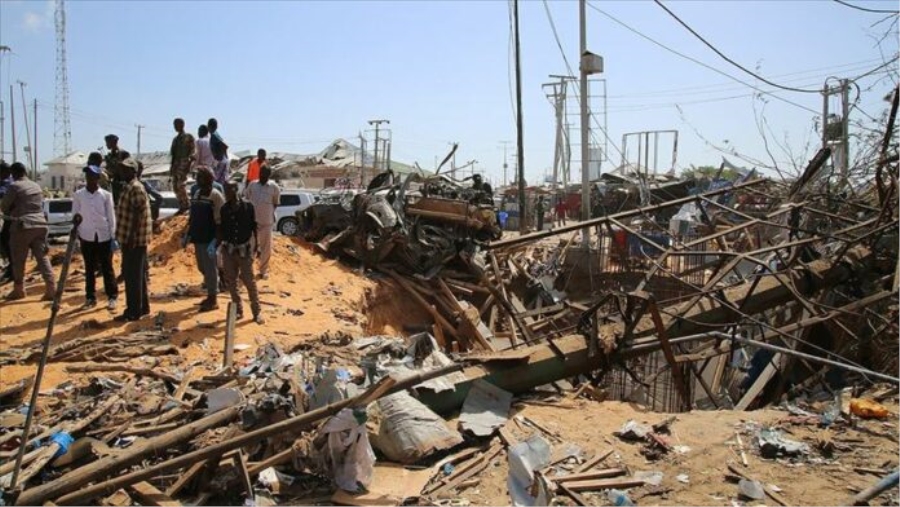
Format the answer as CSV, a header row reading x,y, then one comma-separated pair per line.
x,y
36,21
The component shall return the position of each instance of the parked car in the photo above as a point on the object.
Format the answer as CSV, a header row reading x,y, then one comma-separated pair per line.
x,y
292,201
169,205
59,215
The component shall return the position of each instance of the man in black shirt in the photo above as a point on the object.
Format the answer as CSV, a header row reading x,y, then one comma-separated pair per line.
x,y
237,227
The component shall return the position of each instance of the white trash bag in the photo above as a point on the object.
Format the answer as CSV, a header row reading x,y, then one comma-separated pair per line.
x,y
349,454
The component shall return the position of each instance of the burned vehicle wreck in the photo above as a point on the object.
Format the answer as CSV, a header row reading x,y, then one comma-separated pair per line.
x,y
421,223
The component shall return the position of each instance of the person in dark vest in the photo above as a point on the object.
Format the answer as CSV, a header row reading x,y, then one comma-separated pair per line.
x,y
204,218
237,230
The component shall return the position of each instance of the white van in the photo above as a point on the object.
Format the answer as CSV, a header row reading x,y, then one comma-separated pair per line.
x,y
292,201
59,215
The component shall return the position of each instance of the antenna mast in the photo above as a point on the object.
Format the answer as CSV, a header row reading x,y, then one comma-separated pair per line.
x,y
62,129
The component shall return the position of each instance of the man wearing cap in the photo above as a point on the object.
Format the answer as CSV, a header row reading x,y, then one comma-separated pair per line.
x,y
94,215
133,230
114,159
182,152
24,204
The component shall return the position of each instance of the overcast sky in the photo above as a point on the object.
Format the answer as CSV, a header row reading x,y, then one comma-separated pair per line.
x,y
292,75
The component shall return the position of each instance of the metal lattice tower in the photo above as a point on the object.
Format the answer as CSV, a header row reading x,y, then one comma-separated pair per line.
x,y
62,131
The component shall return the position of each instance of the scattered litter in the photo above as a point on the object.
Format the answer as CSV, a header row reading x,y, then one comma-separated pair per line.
x,y
634,431
683,478
651,478
751,489
524,458
868,409
772,444
485,409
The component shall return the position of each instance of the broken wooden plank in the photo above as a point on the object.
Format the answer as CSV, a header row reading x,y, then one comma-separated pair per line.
x,y
185,478
147,494
595,461
241,464
594,485
585,476
147,372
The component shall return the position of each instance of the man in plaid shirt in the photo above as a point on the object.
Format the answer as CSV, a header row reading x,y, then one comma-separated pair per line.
x,y
133,229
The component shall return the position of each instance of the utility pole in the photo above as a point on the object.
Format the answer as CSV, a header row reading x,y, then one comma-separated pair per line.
x,y
835,129
27,131
12,120
505,161
519,133
589,64
139,127
560,158
34,146
362,159
2,131
377,124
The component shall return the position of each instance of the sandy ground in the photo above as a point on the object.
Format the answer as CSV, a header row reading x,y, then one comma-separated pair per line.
x,y
306,296
311,300
710,438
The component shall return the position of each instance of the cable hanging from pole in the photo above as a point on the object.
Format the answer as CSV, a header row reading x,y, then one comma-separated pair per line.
x,y
698,62
729,60
865,9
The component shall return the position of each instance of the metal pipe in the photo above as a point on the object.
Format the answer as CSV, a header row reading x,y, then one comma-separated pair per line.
x,y
809,357
45,352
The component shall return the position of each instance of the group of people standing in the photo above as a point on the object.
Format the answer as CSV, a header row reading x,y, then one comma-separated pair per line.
x,y
117,210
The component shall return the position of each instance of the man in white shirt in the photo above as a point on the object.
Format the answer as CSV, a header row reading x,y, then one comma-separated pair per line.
x,y
95,217
264,195
203,153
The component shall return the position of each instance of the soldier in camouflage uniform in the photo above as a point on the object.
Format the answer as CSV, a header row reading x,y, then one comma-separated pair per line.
x,y
182,153
114,159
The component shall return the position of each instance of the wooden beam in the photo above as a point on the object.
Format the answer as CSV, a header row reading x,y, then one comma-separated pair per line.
x,y
147,494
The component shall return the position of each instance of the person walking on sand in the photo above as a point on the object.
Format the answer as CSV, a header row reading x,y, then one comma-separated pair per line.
x,y
264,195
23,204
95,217
236,232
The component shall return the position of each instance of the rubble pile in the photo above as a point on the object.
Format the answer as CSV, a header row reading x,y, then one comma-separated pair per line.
x,y
779,296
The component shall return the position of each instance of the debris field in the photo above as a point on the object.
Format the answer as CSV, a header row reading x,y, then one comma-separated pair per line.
x,y
734,346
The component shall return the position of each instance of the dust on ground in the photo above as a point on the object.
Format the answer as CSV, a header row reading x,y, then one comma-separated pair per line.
x,y
709,437
306,297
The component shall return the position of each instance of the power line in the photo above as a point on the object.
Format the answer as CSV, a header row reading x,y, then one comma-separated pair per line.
x,y
877,11
698,62
729,60
821,72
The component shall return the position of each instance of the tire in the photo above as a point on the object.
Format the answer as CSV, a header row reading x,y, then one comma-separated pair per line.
x,y
289,226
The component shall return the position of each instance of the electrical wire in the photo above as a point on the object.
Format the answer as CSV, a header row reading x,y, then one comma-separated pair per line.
x,y
865,9
698,62
818,74
729,60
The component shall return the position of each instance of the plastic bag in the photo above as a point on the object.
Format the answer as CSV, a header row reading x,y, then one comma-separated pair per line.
x,y
349,453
